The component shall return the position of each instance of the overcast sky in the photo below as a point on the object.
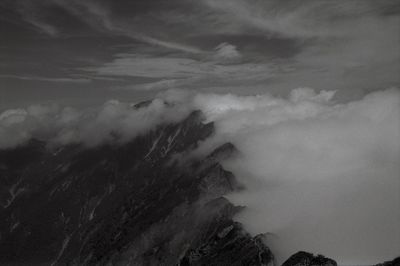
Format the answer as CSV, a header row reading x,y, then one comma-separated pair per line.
x,y
82,52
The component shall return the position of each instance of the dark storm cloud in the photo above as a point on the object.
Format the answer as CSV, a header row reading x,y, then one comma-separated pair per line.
x,y
224,45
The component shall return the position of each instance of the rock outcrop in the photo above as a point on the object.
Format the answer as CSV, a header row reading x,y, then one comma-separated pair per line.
x,y
303,258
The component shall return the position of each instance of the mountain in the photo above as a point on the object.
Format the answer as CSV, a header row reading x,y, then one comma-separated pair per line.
x,y
145,202
124,204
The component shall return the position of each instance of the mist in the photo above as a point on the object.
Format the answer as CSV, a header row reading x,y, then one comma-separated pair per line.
x,y
114,121
319,175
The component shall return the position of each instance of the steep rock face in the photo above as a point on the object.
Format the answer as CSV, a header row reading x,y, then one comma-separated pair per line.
x,y
302,258
226,243
124,204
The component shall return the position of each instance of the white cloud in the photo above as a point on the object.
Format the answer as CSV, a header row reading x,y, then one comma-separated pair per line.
x,y
48,79
343,43
114,121
320,176
153,67
182,72
99,16
226,51
12,116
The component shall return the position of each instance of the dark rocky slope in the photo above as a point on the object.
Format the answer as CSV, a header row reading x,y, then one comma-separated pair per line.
x,y
129,204
302,258
394,262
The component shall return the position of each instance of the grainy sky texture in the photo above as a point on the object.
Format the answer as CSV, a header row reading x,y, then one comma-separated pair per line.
x,y
86,52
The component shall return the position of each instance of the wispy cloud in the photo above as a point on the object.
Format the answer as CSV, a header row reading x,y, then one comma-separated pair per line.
x,y
97,16
47,79
240,45
299,19
42,26
223,64
32,14
343,43
339,43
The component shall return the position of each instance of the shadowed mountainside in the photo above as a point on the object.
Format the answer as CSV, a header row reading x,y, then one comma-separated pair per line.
x,y
125,204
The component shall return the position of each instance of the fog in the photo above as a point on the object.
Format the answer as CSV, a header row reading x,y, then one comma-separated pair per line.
x,y
320,176
114,121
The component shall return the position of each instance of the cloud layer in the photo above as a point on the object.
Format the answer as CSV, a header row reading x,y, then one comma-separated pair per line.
x,y
320,176
112,122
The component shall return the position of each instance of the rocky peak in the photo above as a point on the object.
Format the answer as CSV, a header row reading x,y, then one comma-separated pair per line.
x,y
223,152
303,258
123,203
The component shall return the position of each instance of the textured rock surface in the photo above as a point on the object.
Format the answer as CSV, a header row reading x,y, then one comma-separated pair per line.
x,y
129,204
302,258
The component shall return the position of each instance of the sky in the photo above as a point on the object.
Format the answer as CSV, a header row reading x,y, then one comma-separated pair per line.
x,y
83,53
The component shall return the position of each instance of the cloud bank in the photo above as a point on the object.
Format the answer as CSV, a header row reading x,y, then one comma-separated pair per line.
x,y
320,176
113,121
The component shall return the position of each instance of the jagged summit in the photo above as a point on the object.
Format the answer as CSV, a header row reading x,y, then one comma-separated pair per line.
x,y
122,204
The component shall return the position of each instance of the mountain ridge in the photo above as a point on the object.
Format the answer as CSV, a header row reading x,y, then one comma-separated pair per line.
x,y
122,203
128,203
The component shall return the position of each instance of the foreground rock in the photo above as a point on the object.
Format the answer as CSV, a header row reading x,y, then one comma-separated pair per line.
x,y
395,262
302,258
123,204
